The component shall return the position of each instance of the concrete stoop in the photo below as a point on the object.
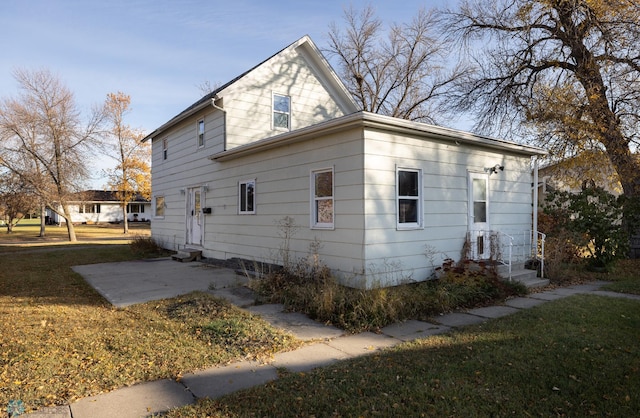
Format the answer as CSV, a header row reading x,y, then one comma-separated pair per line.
x,y
519,273
187,255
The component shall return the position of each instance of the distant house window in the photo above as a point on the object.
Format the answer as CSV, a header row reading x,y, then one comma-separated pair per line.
x,y
135,208
89,208
159,206
165,148
247,197
322,209
281,111
201,133
409,198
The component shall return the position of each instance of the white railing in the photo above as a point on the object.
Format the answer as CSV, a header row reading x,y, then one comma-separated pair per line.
x,y
509,248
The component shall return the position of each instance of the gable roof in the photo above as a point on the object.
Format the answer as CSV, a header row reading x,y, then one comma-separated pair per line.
x,y
376,121
104,196
318,61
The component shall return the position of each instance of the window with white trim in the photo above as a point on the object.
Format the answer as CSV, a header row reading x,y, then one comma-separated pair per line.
x,y
201,133
247,197
322,209
165,148
159,206
89,208
135,208
281,111
409,198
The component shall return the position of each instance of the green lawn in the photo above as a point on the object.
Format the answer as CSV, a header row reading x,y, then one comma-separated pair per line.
x,y
578,356
60,340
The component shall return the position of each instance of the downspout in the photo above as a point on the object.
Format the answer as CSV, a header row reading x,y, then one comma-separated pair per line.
x,y
535,203
224,123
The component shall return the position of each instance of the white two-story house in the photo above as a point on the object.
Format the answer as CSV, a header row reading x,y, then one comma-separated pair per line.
x,y
379,196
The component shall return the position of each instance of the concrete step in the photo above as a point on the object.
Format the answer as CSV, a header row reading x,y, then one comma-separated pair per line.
x,y
529,278
187,254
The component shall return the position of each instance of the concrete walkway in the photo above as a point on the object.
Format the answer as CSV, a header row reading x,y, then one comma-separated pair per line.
x,y
325,344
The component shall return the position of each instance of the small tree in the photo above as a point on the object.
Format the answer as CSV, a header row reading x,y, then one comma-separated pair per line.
x,y
15,200
131,176
594,217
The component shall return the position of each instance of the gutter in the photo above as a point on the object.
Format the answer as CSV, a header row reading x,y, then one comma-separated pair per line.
x,y
181,117
372,120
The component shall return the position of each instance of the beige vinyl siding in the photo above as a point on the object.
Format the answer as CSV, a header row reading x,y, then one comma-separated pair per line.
x,y
401,255
248,102
282,189
186,166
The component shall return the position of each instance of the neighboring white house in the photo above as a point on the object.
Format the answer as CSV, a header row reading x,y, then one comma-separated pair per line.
x,y
384,199
100,206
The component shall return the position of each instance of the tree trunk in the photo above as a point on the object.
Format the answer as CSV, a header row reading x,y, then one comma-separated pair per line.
x,y
125,221
71,232
43,214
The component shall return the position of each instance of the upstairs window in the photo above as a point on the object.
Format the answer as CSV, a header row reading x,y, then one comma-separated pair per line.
x,y
247,197
281,112
165,148
322,212
409,198
201,133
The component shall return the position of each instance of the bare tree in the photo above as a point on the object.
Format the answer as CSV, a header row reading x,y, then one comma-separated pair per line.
x,y
404,76
132,174
44,142
16,200
567,71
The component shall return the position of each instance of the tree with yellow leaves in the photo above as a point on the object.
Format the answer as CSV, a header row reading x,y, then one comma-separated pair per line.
x,y
131,176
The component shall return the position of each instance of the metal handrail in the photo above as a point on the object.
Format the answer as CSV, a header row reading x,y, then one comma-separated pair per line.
x,y
530,246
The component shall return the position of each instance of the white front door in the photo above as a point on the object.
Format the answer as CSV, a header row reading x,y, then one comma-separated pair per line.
x,y
479,227
194,216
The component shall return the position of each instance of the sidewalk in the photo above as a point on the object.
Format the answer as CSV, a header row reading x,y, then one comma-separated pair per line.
x,y
326,345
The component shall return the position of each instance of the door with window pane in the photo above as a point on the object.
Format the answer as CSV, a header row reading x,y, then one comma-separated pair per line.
x,y
479,226
194,216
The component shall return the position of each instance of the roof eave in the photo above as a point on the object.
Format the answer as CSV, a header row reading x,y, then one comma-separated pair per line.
x,y
372,120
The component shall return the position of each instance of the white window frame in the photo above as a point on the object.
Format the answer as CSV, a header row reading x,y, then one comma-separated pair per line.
x,y
274,112
155,206
241,210
133,205
419,200
165,148
315,199
200,133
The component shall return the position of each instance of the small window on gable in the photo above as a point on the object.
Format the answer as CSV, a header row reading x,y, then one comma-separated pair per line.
x,y
281,111
159,206
322,213
201,133
247,197
409,198
165,148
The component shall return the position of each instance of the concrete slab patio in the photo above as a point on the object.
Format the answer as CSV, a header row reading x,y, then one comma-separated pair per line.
x,y
131,282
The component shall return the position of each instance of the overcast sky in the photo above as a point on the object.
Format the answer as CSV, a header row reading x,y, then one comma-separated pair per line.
x,y
157,51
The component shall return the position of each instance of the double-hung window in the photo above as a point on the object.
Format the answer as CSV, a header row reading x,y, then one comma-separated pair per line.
x,y
247,197
281,111
159,206
322,209
409,198
201,133
165,148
